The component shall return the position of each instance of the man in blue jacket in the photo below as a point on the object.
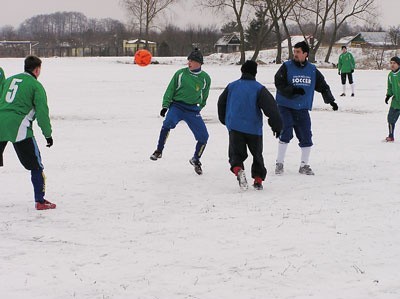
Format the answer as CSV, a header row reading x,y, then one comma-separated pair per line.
x,y
296,81
240,108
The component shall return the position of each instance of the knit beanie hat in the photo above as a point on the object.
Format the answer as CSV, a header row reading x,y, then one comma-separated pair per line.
x,y
196,55
249,67
395,59
303,45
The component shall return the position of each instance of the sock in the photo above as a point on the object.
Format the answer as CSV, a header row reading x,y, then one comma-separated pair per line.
x,y
391,130
39,185
282,147
305,155
236,170
344,88
199,150
352,87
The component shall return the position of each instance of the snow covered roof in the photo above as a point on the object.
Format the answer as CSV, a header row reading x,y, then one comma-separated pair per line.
x,y
139,41
296,39
373,38
229,39
345,40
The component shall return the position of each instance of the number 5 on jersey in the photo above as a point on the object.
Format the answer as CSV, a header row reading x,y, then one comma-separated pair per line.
x,y
12,91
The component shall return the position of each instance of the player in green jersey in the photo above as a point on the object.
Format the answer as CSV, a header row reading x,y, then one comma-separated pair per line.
x,y
185,97
393,90
346,66
22,100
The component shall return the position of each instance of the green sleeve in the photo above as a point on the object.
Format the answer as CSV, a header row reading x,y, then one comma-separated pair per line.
x,y
353,63
42,110
170,91
389,91
206,91
339,65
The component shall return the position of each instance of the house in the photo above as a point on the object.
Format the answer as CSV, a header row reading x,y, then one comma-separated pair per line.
x,y
299,38
228,43
131,46
372,39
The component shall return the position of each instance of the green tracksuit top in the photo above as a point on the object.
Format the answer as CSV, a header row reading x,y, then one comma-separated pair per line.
x,y
393,88
346,63
22,100
188,87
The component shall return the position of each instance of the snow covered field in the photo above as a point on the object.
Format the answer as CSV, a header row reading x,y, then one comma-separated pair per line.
x,y
129,227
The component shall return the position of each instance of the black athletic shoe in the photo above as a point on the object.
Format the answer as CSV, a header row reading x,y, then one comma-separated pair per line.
x,y
156,155
197,166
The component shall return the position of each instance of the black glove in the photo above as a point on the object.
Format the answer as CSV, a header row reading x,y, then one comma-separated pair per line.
x,y
338,72
276,133
298,90
352,71
49,141
163,111
334,106
387,99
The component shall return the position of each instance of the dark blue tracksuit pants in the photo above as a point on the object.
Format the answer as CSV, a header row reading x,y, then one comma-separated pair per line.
x,y
191,115
300,122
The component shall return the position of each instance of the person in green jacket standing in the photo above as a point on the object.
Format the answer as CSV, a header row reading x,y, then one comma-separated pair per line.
x,y
393,91
22,100
346,66
185,97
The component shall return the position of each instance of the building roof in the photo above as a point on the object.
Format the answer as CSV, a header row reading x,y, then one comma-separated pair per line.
x,y
345,40
228,39
296,39
381,38
139,41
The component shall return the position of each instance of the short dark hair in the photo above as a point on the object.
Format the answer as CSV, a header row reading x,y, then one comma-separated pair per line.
x,y
344,47
32,62
304,46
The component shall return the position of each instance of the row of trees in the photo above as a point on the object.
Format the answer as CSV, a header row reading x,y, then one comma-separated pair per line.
x,y
260,23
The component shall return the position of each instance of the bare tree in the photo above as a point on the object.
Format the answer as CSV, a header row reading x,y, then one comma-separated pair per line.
x,y
238,7
394,34
144,12
344,10
312,17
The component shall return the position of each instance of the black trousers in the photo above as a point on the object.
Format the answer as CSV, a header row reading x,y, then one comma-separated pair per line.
x,y
238,144
27,152
343,77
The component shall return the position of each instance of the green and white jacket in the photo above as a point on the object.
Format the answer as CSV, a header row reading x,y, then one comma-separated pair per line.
x,y
22,100
188,87
346,63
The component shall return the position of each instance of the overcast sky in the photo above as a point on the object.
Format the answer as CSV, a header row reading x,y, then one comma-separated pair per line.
x,y
16,11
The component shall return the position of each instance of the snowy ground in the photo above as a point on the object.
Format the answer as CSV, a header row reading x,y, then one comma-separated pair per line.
x,y
128,227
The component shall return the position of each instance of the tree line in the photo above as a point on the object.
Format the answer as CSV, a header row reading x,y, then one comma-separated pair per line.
x,y
260,24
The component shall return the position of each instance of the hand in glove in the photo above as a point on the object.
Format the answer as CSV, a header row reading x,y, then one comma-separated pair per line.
x,y
163,111
334,106
276,133
387,99
49,141
298,90
352,71
338,72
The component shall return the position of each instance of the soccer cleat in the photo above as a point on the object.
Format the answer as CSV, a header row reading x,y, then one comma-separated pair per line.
x,y
343,95
306,169
279,168
156,155
258,183
389,139
352,94
197,166
45,205
241,177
